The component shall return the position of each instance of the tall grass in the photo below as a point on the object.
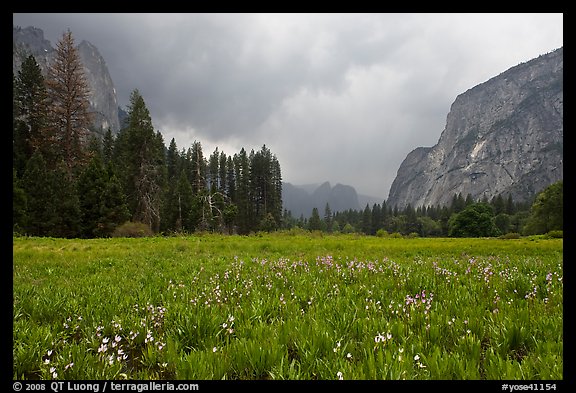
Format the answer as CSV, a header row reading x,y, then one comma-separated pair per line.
x,y
287,307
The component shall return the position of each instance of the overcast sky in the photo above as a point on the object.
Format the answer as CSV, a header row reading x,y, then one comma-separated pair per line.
x,y
337,97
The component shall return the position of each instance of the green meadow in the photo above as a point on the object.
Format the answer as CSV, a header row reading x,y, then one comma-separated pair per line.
x,y
287,306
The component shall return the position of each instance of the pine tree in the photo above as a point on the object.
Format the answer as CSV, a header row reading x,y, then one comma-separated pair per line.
x,y
69,118
242,169
19,202
172,161
366,220
230,180
91,185
107,147
184,202
328,218
314,224
140,153
113,208
30,111
198,168
38,188
213,171
222,177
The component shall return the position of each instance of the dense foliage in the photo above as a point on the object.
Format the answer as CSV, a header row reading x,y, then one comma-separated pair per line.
x,y
464,217
70,182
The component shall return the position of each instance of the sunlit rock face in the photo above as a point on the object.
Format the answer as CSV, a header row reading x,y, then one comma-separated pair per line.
x,y
504,136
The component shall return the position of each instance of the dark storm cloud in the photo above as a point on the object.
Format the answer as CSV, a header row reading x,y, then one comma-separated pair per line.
x,y
337,97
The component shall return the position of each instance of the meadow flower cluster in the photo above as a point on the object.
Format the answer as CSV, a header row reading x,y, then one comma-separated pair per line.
x,y
343,315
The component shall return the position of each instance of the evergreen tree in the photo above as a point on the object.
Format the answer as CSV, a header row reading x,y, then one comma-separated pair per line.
x,y
230,180
107,147
69,118
222,174
37,186
184,202
314,223
366,220
198,168
172,161
19,202
510,208
113,208
214,171
328,218
30,111
376,219
498,204
242,169
91,185
140,153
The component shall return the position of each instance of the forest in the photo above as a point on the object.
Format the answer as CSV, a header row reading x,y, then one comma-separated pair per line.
x,y
70,180
464,217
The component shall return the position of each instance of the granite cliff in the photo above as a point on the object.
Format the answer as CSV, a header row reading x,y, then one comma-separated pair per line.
x,y
103,101
504,136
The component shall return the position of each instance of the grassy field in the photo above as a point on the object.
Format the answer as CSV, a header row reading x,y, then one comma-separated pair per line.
x,y
284,306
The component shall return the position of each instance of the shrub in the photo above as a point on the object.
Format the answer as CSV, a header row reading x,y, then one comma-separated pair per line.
x,y
510,235
132,229
395,235
557,234
382,233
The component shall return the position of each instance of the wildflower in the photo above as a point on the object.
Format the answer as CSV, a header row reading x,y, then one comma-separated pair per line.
x,y
105,340
66,367
53,372
416,357
349,355
339,375
214,349
46,361
337,347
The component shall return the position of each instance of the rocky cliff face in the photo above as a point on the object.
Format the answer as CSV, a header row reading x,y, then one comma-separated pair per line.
x,y
103,101
504,136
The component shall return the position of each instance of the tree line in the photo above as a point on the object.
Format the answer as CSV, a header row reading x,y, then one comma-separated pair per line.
x,y
69,180
464,217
